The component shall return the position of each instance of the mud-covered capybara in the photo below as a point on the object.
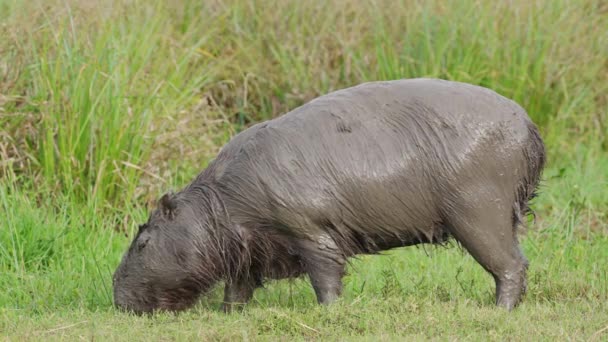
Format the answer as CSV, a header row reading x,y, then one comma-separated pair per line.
x,y
360,170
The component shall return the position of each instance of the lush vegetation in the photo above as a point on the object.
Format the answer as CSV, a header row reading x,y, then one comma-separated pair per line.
x,y
104,106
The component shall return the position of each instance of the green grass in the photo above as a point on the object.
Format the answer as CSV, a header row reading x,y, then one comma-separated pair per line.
x,y
105,106
58,268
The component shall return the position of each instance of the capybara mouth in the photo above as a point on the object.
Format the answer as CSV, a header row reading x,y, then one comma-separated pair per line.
x,y
172,301
138,310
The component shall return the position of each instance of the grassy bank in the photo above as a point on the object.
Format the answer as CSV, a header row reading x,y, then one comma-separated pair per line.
x,y
103,107
57,266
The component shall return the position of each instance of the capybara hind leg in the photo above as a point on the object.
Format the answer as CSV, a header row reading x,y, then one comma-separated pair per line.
x,y
486,231
511,285
237,293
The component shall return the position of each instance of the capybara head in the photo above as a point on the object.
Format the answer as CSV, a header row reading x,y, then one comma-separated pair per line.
x,y
177,255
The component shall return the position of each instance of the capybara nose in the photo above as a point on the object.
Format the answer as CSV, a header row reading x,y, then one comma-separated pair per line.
x,y
123,303
120,301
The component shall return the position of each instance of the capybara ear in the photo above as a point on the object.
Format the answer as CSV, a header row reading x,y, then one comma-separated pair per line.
x,y
167,205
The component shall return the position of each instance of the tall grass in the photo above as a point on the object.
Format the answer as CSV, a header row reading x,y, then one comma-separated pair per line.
x,y
95,91
101,82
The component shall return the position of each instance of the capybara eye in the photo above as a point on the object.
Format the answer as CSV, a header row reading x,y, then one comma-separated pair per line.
x,y
142,243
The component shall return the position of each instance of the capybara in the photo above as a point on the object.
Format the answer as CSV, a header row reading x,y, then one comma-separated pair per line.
x,y
357,171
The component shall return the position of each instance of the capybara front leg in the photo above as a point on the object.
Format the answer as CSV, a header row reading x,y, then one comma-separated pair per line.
x,y
325,266
326,279
237,293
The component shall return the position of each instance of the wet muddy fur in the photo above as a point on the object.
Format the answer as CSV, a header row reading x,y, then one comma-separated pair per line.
x,y
358,171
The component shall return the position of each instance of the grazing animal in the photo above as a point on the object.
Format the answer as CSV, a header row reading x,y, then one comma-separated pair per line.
x,y
358,171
